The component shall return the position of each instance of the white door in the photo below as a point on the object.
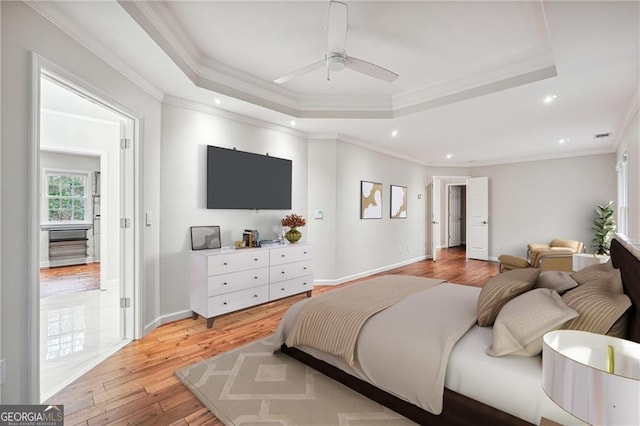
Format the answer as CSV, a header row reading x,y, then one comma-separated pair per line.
x,y
455,216
436,241
478,218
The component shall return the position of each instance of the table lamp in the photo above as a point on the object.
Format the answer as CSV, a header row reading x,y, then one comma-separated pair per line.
x,y
592,376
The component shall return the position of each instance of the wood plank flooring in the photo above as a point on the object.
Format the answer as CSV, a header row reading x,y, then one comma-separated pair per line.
x,y
69,279
137,384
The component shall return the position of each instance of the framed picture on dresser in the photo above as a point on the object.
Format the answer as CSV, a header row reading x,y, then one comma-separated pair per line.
x,y
205,237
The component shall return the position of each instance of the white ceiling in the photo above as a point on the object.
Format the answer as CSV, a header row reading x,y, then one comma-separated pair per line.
x,y
472,75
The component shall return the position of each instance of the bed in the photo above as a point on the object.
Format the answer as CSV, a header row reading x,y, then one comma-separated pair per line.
x,y
478,388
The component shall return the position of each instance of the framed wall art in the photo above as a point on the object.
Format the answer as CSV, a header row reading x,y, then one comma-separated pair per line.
x,y
370,200
205,237
398,202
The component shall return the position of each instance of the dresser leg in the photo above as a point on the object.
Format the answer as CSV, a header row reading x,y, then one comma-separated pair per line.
x,y
194,315
309,293
210,322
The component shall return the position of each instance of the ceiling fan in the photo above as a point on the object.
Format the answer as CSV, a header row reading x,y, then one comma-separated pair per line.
x,y
336,58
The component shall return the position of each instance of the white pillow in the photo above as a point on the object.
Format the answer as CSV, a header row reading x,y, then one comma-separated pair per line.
x,y
522,322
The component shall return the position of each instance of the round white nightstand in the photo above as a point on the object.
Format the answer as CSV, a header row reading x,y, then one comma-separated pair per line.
x,y
575,375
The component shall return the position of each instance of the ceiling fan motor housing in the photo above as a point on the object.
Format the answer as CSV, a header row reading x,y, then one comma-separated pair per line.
x,y
336,61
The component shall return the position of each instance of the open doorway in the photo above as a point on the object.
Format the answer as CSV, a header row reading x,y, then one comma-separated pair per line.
x,y
446,214
86,187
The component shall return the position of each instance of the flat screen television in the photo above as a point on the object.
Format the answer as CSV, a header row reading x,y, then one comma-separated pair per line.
x,y
242,180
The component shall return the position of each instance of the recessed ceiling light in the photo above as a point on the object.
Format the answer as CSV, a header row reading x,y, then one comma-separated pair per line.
x,y
394,133
217,101
549,99
449,156
563,140
293,123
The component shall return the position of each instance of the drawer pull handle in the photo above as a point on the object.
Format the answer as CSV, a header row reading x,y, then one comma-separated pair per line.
x,y
282,255
255,259
224,303
304,283
282,289
255,278
283,272
225,263
255,295
224,283
305,252
305,268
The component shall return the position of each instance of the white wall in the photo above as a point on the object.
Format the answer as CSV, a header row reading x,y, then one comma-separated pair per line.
x,y
322,196
185,135
367,245
538,201
30,32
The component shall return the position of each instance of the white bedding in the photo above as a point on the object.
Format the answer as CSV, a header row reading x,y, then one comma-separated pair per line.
x,y
511,384
407,345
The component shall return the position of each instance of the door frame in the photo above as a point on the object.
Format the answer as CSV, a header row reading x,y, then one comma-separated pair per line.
x,y
40,66
448,211
437,203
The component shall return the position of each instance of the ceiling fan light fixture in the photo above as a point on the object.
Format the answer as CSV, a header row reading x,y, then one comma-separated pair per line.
x,y
336,63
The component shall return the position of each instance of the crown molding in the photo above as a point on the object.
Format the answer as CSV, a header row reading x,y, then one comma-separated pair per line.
x,y
50,12
207,73
211,110
632,110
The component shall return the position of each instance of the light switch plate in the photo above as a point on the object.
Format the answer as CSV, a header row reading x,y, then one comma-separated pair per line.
x,y
318,214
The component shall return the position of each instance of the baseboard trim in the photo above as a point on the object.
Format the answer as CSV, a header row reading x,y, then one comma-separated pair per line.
x,y
370,272
166,319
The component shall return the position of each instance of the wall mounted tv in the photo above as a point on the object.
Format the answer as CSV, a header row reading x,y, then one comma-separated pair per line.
x,y
242,180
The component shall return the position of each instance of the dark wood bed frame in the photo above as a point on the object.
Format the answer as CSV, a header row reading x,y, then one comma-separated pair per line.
x,y
459,409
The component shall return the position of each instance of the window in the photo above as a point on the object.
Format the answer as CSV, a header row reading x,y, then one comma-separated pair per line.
x,y
66,198
621,168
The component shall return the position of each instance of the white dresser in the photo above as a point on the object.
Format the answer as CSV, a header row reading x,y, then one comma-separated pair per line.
x,y
227,280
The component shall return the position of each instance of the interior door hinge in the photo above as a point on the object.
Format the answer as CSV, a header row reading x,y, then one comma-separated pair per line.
x,y
125,223
125,302
125,143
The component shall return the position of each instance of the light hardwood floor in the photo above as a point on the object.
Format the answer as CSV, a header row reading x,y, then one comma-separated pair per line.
x,y
69,279
137,385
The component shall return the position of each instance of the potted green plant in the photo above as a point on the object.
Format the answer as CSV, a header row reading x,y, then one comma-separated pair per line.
x,y
604,226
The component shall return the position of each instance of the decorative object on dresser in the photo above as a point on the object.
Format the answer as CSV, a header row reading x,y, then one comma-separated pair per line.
x,y
227,280
205,237
293,221
594,377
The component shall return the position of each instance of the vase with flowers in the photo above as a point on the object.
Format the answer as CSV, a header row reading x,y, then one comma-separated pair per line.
x,y
293,221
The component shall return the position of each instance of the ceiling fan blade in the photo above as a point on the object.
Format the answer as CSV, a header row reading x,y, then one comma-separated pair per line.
x,y
370,69
337,27
301,71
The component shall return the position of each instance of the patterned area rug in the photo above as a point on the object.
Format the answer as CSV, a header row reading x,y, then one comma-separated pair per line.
x,y
253,386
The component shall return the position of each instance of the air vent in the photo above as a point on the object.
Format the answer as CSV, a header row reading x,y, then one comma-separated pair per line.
x,y
602,135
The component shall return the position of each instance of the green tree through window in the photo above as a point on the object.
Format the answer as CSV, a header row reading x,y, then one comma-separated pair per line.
x,y
66,196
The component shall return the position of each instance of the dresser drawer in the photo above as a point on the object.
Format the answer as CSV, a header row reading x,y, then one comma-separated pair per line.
x,y
290,287
292,253
237,261
218,305
290,270
226,283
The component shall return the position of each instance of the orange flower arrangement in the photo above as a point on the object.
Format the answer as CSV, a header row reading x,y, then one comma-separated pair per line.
x,y
293,220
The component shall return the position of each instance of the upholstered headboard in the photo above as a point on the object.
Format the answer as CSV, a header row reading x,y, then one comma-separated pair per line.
x,y
625,255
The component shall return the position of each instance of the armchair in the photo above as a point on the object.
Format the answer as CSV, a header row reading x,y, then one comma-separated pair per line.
x,y
554,256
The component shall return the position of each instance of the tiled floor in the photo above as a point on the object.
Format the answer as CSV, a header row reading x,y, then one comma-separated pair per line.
x,y
77,331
